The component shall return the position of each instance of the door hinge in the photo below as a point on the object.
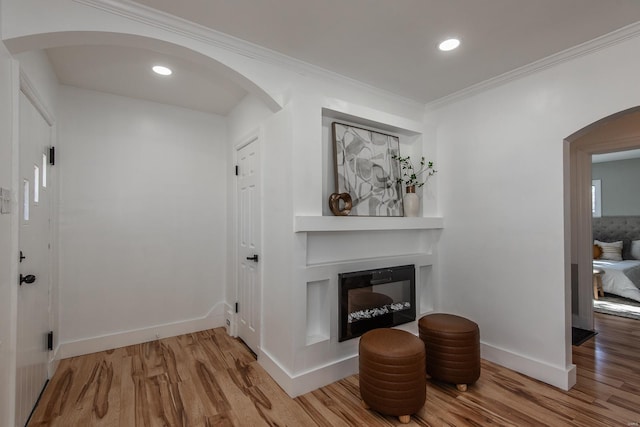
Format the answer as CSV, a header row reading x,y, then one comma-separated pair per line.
x,y
237,170
52,156
50,341
236,307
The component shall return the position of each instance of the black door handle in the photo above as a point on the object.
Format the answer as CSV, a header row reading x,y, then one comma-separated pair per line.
x,y
253,258
29,278
22,256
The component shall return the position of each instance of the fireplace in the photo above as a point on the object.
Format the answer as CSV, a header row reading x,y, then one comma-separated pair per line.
x,y
373,299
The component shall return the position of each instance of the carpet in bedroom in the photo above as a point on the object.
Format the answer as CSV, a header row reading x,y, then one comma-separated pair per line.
x,y
617,306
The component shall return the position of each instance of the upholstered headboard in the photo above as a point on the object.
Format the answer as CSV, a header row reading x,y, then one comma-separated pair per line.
x,y
614,228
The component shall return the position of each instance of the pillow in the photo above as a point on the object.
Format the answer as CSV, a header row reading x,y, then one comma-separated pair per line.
x,y
597,251
635,249
611,251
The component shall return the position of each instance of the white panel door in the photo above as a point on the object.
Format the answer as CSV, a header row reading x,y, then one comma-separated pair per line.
x,y
249,273
33,293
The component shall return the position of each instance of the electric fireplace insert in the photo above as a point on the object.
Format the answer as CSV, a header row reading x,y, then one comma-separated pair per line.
x,y
373,299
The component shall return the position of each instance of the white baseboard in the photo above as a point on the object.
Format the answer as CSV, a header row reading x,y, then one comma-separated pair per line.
x,y
54,361
563,378
213,319
304,382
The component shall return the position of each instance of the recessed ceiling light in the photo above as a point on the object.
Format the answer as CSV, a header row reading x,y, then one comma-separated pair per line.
x,y
163,71
449,44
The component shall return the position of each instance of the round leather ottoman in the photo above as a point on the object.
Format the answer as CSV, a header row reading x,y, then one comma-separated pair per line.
x,y
392,372
452,346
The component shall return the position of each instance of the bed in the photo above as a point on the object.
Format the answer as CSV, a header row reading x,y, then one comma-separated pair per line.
x,y
621,277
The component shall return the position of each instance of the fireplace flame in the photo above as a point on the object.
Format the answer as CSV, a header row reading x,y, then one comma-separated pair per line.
x,y
370,313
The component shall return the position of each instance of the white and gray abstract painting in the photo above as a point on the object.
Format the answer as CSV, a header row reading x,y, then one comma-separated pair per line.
x,y
365,169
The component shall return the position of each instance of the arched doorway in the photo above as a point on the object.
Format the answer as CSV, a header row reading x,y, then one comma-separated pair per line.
x,y
617,132
88,38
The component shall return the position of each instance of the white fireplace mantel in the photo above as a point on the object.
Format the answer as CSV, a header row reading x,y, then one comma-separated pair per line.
x,y
364,223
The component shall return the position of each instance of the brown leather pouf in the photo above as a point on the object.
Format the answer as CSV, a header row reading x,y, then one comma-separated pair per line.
x,y
392,372
452,344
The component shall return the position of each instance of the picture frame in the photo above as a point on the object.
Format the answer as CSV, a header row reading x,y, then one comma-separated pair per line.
x,y
365,169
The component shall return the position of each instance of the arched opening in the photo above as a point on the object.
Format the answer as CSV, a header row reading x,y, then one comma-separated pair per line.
x,y
617,132
100,38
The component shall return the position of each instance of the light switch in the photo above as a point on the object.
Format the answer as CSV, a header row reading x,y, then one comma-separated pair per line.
x,y
5,201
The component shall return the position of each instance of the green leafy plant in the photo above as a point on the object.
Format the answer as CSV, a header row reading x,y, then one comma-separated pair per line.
x,y
410,176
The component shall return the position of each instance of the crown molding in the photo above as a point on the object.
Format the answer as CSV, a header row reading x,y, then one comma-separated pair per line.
x,y
583,49
182,27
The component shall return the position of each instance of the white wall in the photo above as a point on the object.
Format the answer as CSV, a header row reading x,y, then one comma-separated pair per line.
x,y
501,192
620,195
246,117
142,220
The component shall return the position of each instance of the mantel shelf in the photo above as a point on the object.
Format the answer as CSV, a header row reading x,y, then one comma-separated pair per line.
x,y
364,223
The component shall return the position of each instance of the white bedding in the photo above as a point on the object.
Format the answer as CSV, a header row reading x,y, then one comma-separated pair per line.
x,y
619,277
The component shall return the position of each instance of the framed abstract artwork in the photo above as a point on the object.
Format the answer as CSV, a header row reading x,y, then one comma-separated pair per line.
x,y
365,168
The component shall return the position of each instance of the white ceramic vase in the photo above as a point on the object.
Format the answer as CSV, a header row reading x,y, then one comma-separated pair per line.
x,y
411,202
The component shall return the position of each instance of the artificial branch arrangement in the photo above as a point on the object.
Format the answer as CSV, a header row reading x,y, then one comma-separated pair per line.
x,y
409,175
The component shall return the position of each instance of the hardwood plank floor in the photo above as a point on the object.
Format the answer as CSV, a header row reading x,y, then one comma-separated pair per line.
x,y
210,379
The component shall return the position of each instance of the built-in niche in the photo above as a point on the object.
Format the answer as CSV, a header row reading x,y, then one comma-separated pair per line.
x,y
318,311
425,289
410,144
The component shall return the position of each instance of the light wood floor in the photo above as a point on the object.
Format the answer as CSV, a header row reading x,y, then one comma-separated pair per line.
x,y
210,379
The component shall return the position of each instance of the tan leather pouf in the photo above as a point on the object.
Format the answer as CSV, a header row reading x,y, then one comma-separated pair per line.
x,y
392,372
452,345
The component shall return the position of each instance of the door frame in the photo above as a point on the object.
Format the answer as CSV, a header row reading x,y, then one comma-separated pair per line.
x,y
53,189
26,87
32,94
257,137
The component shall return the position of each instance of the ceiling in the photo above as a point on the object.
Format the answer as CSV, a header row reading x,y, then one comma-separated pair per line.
x,y
391,45
126,71
618,155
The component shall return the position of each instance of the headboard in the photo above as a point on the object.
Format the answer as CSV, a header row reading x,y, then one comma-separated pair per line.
x,y
614,228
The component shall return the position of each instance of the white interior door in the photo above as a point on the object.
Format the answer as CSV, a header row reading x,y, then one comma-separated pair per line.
x,y
34,236
249,272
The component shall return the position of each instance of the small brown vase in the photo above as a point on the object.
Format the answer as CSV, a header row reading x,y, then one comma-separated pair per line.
x,y
334,204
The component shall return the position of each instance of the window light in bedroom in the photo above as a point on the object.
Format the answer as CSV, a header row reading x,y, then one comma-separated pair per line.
x,y
596,197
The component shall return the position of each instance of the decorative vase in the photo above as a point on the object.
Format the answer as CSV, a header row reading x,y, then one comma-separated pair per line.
x,y
411,202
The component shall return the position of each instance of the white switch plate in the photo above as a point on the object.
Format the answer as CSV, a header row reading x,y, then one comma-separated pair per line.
x,y
5,201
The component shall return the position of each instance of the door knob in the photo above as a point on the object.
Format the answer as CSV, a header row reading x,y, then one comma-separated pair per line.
x,y
29,278
253,258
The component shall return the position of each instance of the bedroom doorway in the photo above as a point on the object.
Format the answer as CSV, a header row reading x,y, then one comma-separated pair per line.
x,y
616,232
618,132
